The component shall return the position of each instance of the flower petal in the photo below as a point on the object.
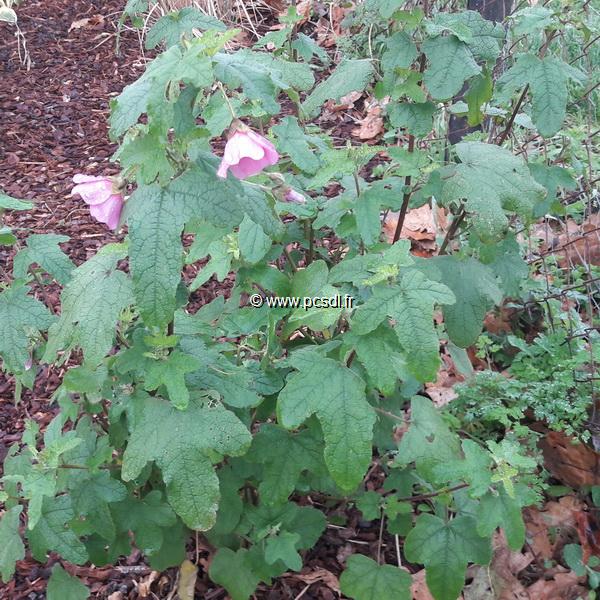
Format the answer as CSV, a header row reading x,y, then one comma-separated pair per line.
x,y
222,170
81,178
108,212
248,167
94,192
240,145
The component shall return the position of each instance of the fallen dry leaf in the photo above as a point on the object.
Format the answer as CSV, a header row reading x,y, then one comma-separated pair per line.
x,y
441,390
143,587
420,224
574,464
480,587
559,516
588,530
303,10
371,126
95,22
419,589
563,586
504,568
322,575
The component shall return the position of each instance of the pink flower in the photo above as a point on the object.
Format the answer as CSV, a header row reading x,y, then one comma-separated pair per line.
x,y
295,197
105,202
246,153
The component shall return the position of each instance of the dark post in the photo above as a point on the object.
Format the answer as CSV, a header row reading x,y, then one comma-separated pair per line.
x,y
492,10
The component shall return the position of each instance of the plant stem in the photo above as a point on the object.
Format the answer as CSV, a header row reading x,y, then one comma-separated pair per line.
x,y
452,230
356,184
290,259
509,125
220,85
38,279
411,148
447,490
310,235
406,198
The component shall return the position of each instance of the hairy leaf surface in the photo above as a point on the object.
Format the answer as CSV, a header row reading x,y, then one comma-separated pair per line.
x,y
184,445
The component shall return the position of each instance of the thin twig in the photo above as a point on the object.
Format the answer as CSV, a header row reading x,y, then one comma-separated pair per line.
x,y
452,230
380,538
513,116
433,494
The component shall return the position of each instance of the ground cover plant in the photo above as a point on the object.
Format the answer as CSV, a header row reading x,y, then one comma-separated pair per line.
x,y
243,426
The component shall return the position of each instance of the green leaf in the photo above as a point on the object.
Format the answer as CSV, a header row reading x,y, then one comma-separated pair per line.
x,y
474,468
200,194
233,571
20,315
348,76
410,304
149,518
171,373
400,52
173,551
474,286
7,237
498,509
445,548
257,80
172,26
370,505
283,547
216,372
367,210
128,106
149,93
428,440
491,179
573,555
362,269
308,522
450,64
377,351
38,481
483,37
506,261
479,92
61,586
10,203
254,243
296,452
287,75
532,19
155,252
91,305
307,48
143,153
547,79
11,545
336,395
553,178
184,445
364,579
417,119
44,250
51,533
292,140
91,498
